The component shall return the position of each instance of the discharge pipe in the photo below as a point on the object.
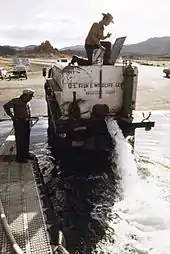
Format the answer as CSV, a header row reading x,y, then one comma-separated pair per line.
x,y
60,249
128,91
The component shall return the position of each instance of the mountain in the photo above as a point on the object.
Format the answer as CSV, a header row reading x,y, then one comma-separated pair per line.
x,y
158,46
29,47
45,49
77,47
7,50
74,50
20,48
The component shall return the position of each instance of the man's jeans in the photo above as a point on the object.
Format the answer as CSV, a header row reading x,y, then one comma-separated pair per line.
x,y
22,136
91,48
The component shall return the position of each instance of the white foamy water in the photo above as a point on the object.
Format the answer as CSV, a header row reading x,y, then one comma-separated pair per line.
x,y
141,217
140,221
126,165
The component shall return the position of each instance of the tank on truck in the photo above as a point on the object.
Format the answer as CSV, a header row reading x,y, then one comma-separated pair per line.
x,y
88,83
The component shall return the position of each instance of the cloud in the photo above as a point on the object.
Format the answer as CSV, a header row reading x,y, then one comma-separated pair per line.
x,y
67,22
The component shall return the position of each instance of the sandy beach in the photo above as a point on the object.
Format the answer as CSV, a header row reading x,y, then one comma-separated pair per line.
x,y
153,91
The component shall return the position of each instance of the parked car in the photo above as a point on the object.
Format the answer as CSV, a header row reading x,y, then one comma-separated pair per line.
x,y
3,72
167,72
19,71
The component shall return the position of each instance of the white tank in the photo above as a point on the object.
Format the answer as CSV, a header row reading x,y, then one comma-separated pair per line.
x,y
93,84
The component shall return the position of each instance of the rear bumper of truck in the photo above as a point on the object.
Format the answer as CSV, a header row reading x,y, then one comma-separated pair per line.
x,y
88,133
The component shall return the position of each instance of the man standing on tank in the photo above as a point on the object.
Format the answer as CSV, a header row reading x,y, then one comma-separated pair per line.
x,y
22,123
93,41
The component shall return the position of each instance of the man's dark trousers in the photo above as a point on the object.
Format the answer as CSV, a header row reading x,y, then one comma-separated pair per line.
x,y
22,136
91,48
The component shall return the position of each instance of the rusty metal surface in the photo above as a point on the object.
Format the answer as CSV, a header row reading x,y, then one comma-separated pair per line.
x,y
22,207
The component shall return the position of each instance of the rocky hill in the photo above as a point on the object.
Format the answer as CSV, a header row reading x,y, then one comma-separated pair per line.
x,y
45,49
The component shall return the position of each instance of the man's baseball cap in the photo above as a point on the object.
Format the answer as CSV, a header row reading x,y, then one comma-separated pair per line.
x,y
108,16
28,91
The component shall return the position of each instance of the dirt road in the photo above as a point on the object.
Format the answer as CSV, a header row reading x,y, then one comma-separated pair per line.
x,y
153,89
14,87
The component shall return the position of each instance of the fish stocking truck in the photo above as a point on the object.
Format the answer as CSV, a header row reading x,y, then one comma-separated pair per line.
x,y
81,98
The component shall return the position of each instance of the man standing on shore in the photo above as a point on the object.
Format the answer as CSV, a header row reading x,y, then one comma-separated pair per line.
x,y
22,123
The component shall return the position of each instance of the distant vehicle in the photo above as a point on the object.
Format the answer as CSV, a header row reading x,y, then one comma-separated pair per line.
x,y
167,72
19,71
62,60
3,72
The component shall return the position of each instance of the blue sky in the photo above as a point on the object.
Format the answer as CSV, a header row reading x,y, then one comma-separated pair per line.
x,y
66,22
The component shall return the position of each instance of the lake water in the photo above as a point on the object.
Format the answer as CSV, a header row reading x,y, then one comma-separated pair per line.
x,y
139,220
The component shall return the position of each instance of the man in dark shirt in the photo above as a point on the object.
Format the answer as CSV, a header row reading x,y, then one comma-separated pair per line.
x,y
21,120
93,41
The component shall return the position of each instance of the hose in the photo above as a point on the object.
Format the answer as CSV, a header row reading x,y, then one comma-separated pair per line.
x,y
31,118
8,233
